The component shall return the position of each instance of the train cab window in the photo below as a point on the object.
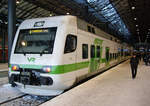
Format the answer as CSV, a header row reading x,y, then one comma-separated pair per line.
x,y
92,51
71,44
98,51
36,41
84,51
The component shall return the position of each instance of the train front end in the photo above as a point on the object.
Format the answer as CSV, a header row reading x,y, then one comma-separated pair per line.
x,y
34,58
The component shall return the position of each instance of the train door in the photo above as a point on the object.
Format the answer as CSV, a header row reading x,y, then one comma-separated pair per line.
x,y
92,60
96,52
97,58
70,53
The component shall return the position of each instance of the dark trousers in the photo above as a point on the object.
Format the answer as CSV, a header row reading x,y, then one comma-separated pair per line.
x,y
134,70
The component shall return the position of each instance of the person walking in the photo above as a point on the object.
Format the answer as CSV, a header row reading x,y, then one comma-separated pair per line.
x,y
134,61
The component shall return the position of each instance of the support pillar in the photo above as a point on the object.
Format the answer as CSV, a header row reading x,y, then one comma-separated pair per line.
x,y
11,24
3,43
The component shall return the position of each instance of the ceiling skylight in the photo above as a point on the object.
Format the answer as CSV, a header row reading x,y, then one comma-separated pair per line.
x,y
106,9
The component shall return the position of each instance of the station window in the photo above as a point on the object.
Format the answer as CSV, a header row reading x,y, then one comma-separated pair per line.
x,y
98,51
84,51
92,51
71,44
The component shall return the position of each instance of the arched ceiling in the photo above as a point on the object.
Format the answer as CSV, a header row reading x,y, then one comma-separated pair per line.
x,y
133,13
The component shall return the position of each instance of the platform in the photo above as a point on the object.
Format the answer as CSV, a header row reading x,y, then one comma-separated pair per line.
x,y
112,88
7,93
3,67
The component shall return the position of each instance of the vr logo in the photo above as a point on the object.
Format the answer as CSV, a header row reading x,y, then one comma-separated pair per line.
x,y
31,59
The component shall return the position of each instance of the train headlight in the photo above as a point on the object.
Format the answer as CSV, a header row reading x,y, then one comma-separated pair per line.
x,y
47,69
15,67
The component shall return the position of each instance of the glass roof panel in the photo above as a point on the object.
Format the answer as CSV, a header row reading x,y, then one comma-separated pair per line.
x,y
106,9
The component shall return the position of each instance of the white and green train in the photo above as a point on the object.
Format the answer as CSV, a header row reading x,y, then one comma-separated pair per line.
x,y
51,54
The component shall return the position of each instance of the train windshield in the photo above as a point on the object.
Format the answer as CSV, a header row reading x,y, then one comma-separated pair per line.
x,y
36,41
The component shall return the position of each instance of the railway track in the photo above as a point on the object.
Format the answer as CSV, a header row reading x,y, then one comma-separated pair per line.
x,y
26,100
11,96
9,100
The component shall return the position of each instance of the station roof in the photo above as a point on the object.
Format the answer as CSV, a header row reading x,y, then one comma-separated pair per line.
x,y
126,19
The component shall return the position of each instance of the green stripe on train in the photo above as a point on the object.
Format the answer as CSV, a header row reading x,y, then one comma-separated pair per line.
x,y
69,68
59,69
30,66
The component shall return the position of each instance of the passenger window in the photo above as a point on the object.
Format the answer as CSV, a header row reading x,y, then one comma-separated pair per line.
x,y
98,51
89,29
71,44
113,55
93,30
107,53
111,38
121,52
84,51
110,56
92,51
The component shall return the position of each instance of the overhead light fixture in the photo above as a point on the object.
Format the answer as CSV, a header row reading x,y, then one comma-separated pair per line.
x,y
50,15
67,13
133,8
136,25
135,18
6,22
17,2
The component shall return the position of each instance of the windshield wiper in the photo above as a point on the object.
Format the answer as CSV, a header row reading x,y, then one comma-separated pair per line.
x,y
24,53
43,51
